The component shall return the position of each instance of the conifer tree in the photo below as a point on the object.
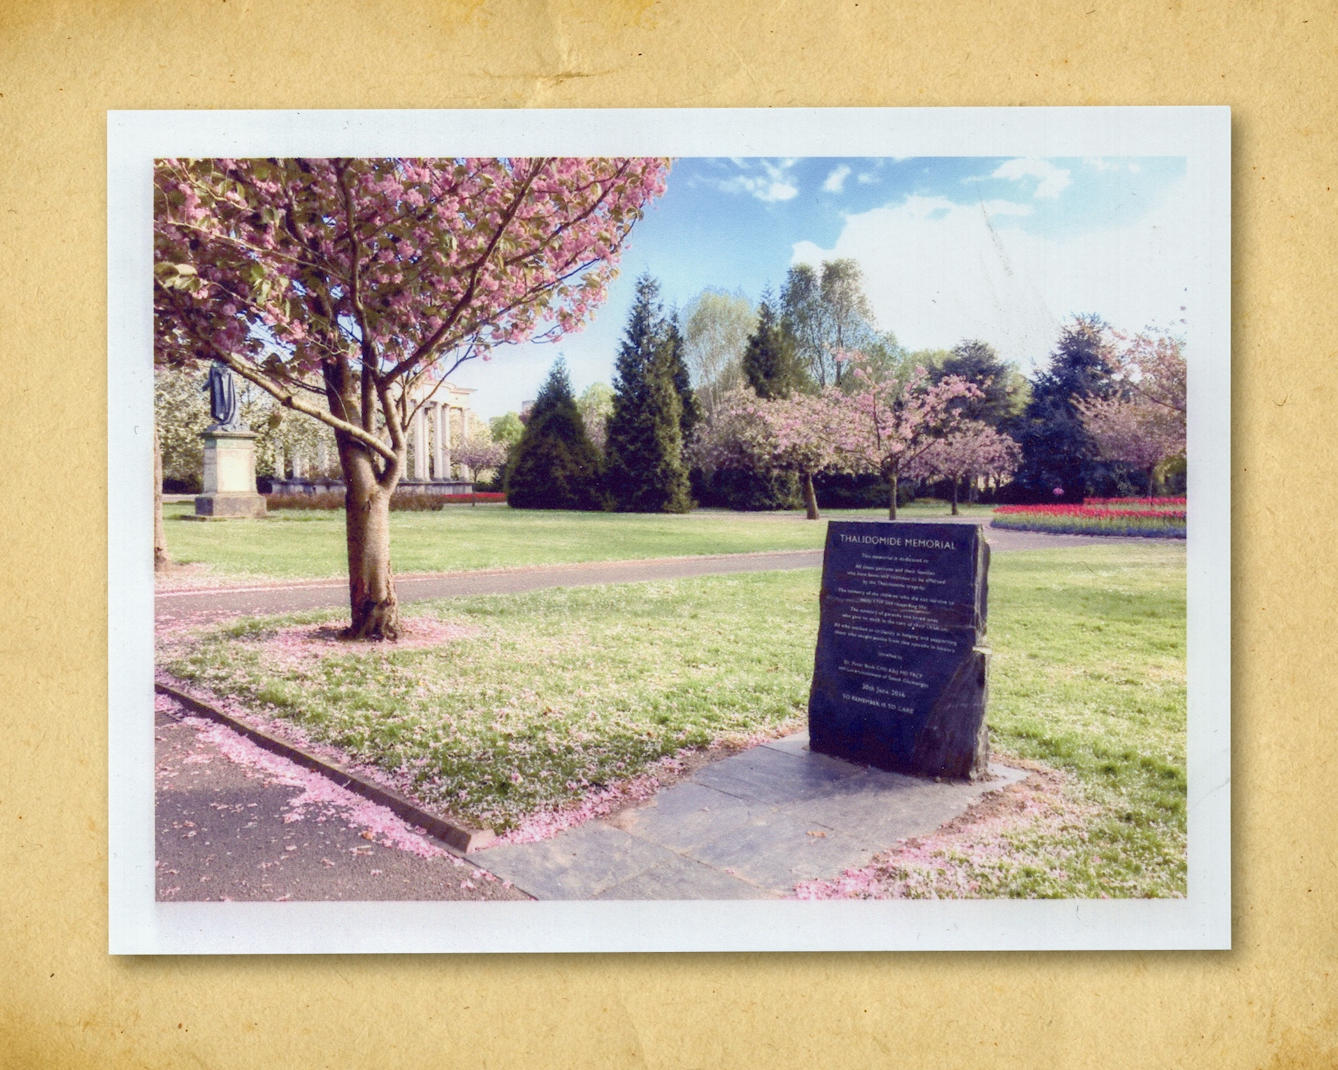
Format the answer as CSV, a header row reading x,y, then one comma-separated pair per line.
x,y
555,465
770,363
1059,458
644,447
692,413
1004,392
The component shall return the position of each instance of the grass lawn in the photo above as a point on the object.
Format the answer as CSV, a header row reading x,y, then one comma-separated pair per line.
x,y
535,698
295,544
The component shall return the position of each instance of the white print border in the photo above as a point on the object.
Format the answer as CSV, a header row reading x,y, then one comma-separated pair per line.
x,y
139,925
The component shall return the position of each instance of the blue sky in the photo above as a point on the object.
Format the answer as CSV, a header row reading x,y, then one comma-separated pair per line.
x,y
1001,249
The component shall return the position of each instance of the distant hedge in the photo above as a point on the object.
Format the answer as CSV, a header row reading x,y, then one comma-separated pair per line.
x,y
408,501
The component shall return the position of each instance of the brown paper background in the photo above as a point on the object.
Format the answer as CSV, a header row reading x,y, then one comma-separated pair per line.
x,y
64,1002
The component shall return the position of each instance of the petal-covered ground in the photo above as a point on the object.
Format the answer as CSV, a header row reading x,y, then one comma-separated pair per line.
x,y
235,822
1026,834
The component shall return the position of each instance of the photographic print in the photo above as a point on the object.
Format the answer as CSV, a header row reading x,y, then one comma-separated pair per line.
x,y
669,530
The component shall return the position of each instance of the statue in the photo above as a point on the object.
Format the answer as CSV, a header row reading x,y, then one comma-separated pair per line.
x,y
222,399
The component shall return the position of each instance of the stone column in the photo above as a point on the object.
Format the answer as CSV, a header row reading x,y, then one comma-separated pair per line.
x,y
229,476
419,446
465,473
446,440
439,451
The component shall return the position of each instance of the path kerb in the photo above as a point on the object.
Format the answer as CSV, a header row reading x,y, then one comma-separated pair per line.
x,y
457,836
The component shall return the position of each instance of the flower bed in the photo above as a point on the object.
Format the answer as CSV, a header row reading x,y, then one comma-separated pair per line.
x,y
1162,518
409,501
1161,504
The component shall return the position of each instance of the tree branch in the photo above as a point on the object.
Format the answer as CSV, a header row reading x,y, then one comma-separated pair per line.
x,y
425,349
297,404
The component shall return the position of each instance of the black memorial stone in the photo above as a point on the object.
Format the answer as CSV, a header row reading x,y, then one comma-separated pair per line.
x,y
899,680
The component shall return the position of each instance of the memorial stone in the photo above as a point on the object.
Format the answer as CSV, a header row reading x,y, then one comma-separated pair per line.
x,y
899,678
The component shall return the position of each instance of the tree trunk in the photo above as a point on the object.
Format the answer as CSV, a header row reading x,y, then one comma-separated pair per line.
x,y
371,585
892,498
954,496
160,558
810,497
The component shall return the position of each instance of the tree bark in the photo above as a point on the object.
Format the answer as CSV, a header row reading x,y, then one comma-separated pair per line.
x,y
954,496
892,497
371,584
810,497
160,558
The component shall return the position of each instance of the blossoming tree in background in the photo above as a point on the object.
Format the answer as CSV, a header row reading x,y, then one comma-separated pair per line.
x,y
971,451
366,282
480,453
885,422
795,434
1142,425
806,435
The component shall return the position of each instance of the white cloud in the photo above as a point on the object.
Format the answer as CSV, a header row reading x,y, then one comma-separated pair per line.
x,y
866,179
937,272
1100,163
772,184
994,208
1054,180
836,180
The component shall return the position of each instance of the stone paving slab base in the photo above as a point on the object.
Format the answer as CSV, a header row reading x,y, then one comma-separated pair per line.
x,y
750,826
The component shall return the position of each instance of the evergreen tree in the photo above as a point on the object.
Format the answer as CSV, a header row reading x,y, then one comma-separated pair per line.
x,y
1057,451
554,465
687,397
644,447
770,362
771,366
1004,390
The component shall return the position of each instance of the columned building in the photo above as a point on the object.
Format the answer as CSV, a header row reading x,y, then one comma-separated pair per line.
x,y
441,420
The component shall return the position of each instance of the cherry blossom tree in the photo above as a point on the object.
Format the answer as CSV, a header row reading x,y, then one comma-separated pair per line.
x,y
806,434
363,283
1142,425
1134,430
1152,366
736,434
885,422
971,451
480,453
795,434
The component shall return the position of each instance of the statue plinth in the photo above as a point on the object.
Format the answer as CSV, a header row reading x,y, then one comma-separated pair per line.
x,y
229,476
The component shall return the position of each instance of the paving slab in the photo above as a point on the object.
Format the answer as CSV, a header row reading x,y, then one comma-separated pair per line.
x,y
885,807
792,744
781,849
576,864
774,777
750,826
686,816
685,878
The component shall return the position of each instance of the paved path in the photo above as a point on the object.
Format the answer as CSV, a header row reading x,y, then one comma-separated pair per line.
x,y
199,605
229,828
750,826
